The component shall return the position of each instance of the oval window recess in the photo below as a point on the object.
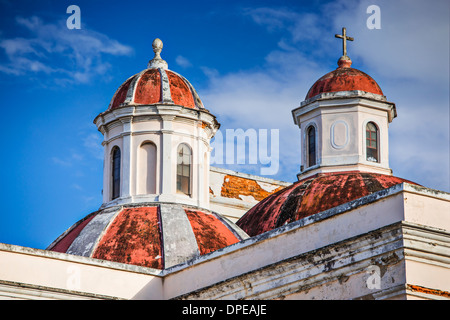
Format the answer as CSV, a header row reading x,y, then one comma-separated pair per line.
x,y
339,134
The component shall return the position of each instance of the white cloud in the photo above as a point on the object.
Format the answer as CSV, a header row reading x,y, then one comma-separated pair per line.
x,y
272,18
61,162
263,99
77,187
69,159
68,55
183,62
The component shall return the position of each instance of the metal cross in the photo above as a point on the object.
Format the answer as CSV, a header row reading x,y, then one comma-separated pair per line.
x,y
344,40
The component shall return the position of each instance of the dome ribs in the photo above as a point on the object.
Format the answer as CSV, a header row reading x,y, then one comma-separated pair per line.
x,y
64,242
198,101
148,88
156,236
121,94
181,93
156,86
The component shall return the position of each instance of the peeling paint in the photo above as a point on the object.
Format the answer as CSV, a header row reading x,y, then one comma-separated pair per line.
x,y
181,94
238,187
211,234
436,292
148,89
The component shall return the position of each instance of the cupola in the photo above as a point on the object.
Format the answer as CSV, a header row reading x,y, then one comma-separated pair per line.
x,y
156,139
344,122
156,85
155,210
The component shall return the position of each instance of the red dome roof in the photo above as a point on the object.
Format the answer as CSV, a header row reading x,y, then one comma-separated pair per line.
x,y
156,236
310,196
344,78
156,85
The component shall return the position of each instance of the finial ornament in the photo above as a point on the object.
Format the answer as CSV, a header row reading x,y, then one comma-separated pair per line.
x,y
157,61
344,38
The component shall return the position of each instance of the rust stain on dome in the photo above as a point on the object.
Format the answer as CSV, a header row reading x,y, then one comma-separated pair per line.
x,y
181,94
211,233
312,195
344,79
147,87
148,90
134,238
121,94
135,235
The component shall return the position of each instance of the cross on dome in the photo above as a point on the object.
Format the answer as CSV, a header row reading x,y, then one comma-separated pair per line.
x,y
344,38
157,61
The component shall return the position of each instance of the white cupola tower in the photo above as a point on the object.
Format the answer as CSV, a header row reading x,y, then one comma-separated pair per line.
x,y
156,139
344,121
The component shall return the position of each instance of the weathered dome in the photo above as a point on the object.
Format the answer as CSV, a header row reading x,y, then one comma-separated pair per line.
x,y
312,195
156,85
150,235
344,78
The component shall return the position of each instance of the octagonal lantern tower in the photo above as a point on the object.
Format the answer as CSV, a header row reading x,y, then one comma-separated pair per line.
x,y
344,121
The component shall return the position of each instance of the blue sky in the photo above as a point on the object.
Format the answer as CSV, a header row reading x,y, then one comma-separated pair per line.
x,y
251,62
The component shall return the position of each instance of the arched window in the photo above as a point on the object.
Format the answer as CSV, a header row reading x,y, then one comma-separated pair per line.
x,y
184,160
371,142
115,173
311,137
147,168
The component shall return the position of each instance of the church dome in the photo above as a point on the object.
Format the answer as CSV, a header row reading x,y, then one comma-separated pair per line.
x,y
344,78
156,85
150,235
312,195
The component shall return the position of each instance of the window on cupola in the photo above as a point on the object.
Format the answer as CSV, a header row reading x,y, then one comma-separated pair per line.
x,y
311,133
371,142
147,166
115,173
184,155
